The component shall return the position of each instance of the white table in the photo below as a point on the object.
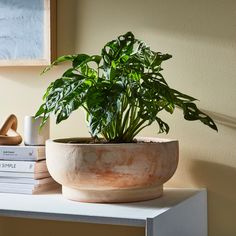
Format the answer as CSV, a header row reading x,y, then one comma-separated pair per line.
x,y
180,212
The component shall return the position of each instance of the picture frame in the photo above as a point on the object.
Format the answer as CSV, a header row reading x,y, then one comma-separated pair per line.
x,y
27,32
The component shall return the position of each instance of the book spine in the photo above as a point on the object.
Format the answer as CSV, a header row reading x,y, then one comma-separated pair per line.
x,y
14,180
9,174
19,180
12,190
17,186
17,166
20,152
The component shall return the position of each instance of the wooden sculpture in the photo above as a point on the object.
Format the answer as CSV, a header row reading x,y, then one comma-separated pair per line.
x,y
8,133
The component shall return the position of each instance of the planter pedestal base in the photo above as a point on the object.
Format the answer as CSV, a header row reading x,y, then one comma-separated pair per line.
x,y
113,195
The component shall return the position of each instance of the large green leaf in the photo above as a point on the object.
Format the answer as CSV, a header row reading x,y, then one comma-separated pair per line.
x,y
59,60
122,91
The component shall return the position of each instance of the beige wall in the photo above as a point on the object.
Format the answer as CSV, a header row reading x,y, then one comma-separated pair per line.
x,y
201,35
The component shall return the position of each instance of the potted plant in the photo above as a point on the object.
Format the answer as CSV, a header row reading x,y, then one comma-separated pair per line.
x,y
122,91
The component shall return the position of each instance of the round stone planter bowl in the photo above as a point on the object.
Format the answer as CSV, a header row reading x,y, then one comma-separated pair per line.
x,y
115,172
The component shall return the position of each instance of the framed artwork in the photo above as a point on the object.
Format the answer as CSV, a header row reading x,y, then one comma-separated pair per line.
x,y
27,32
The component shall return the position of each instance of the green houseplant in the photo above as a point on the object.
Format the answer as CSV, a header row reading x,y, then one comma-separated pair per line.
x,y
122,91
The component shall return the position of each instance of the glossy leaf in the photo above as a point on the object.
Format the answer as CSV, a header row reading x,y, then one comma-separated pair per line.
x,y
122,91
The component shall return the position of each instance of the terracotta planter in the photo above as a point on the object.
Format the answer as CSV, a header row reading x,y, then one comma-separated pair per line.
x,y
112,172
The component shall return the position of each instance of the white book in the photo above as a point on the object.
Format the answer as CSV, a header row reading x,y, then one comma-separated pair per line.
x,y
30,190
21,152
39,175
27,180
23,166
25,186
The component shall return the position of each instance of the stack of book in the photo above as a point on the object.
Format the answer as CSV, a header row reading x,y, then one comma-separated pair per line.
x,y
23,169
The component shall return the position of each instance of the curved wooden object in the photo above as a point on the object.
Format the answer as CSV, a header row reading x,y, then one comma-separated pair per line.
x,y
8,133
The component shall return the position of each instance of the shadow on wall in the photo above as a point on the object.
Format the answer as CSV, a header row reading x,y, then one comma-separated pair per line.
x,y
214,19
67,25
207,18
220,181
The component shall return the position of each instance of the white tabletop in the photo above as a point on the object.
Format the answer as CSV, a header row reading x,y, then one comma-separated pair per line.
x,y
55,207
